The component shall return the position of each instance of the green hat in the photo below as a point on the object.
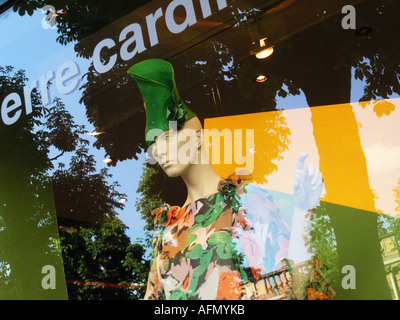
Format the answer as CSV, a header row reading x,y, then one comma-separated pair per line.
x,y
155,79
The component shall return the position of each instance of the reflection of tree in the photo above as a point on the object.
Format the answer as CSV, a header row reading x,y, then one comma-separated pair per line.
x,y
114,114
102,253
391,224
394,222
152,194
120,112
82,18
332,85
61,132
94,245
396,192
117,115
389,231
82,193
28,229
324,243
319,61
148,200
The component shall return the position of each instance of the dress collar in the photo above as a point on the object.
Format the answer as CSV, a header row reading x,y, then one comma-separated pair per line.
x,y
167,215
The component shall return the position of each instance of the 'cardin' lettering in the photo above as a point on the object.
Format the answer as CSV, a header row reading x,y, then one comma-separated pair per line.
x,y
132,35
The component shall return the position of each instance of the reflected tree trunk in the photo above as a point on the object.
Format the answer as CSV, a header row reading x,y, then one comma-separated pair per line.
x,y
356,230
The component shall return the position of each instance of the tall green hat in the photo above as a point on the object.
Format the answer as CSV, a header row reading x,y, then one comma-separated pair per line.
x,y
156,82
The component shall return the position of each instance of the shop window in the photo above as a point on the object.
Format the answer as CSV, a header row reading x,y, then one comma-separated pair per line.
x,y
77,188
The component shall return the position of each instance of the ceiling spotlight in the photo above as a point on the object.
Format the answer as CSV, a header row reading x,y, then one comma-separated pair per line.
x,y
261,78
263,51
94,133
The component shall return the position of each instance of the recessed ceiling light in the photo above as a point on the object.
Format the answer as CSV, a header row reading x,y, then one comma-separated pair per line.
x,y
261,78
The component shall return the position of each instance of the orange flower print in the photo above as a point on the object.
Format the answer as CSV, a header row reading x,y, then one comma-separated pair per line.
x,y
174,215
167,215
229,287
186,283
313,294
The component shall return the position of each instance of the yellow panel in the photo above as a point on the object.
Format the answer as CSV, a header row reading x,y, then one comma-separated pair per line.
x,y
354,145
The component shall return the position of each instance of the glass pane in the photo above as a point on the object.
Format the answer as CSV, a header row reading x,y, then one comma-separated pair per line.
x,y
78,186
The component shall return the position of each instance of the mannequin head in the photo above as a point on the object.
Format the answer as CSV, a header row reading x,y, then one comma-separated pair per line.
x,y
177,151
173,131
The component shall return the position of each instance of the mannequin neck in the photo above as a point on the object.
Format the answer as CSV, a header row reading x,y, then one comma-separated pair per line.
x,y
200,180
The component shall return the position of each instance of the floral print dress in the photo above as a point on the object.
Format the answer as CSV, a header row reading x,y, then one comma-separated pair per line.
x,y
212,247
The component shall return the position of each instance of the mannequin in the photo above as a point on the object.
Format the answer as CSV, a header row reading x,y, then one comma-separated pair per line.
x,y
227,232
201,179
199,176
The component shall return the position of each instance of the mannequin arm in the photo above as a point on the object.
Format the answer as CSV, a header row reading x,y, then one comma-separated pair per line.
x,y
307,188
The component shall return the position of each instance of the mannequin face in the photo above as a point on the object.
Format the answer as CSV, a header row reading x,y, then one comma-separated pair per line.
x,y
176,151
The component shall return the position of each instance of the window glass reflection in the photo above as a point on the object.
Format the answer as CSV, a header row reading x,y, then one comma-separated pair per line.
x,y
77,191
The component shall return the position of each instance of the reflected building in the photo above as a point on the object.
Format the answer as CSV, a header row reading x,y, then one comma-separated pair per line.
x,y
391,259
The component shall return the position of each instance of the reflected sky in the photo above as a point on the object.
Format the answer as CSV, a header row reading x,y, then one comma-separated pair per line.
x,y
41,54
